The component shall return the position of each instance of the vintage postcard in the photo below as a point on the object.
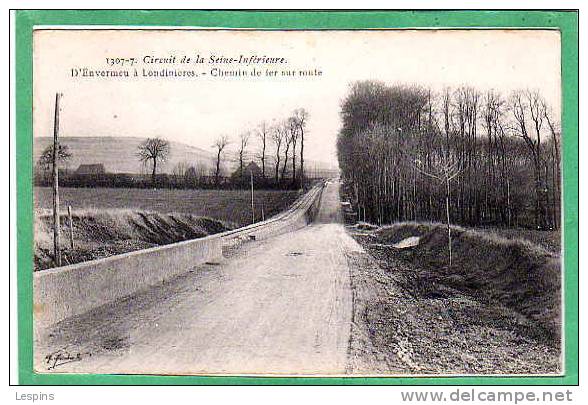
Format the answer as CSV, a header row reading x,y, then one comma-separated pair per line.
x,y
382,202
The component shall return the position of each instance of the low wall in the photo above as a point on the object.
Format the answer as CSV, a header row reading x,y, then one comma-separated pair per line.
x,y
72,290
288,222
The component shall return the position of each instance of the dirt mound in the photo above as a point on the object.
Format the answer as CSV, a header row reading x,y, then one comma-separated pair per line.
x,y
520,275
104,233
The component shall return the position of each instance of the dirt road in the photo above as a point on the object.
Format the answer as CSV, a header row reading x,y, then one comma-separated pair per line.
x,y
279,306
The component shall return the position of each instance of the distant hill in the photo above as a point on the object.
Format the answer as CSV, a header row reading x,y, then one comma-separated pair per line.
x,y
118,155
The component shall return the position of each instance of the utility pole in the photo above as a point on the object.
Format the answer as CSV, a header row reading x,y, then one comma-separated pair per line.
x,y
56,236
252,205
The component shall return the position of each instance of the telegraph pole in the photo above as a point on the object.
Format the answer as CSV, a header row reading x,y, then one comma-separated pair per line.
x,y
252,204
56,236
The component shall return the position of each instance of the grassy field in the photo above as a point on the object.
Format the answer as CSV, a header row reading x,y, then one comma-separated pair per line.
x,y
226,205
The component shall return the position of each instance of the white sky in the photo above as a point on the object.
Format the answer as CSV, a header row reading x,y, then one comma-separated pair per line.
x,y
196,111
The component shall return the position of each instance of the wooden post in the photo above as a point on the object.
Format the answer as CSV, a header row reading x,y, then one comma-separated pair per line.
x,y
447,202
252,204
56,225
71,236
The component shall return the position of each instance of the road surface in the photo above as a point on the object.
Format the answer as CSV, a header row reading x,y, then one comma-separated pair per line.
x,y
279,306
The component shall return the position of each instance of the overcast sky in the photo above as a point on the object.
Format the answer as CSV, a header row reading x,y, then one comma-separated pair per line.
x,y
196,111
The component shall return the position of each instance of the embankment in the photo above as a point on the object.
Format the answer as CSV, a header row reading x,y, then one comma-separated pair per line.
x,y
103,233
518,274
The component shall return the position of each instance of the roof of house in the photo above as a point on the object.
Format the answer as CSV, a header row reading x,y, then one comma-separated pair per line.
x,y
252,167
91,168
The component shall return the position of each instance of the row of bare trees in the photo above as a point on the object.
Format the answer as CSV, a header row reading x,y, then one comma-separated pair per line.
x,y
481,158
276,146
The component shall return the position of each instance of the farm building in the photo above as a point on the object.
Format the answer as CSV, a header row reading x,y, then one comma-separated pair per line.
x,y
95,168
252,167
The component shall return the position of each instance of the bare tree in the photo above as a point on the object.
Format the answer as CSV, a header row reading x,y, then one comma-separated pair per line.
x,y
190,176
45,161
278,137
152,151
262,133
555,135
445,171
294,134
527,105
180,169
243,141
301,117
288,142
220,144
446,100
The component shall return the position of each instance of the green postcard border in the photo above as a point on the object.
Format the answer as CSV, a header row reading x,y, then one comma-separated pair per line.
x,y
564,21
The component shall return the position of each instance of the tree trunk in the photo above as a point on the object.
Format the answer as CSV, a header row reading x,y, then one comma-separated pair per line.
x,y
263,160
216,174
447,197
293,163
285,162
302,159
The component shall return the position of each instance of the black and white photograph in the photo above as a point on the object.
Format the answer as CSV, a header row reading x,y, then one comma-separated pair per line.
x,y
235,202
